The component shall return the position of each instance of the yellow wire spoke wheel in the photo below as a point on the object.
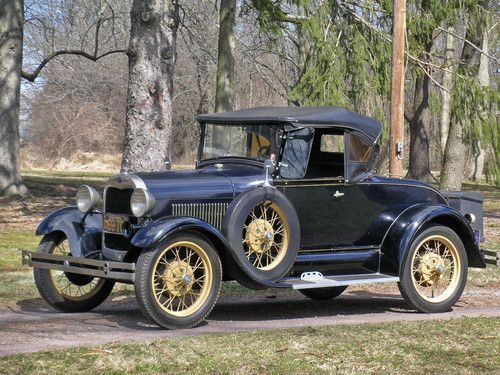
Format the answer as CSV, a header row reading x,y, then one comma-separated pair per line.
x,y
266,236
73,286
182,278
435,268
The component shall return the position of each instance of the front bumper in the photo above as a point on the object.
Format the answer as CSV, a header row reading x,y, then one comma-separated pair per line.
x,y
491,257
118,271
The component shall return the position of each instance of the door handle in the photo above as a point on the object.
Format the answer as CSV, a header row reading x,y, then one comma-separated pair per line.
x,y
338,194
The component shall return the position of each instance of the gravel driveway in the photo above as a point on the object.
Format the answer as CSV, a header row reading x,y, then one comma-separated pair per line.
x,y
32,326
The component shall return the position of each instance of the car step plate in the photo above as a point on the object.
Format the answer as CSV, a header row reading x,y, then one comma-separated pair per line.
x,y
311,280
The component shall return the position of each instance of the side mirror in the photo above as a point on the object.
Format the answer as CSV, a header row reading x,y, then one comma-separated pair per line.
x,y
168,163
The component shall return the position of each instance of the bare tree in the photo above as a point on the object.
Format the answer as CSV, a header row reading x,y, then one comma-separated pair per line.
x,y
152,53
12,22
11,46
224,91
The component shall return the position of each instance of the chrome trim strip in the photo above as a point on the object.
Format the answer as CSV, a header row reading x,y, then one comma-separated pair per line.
x,y
347,248
123,181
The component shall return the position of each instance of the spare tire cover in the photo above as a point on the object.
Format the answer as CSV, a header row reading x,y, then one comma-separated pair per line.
x,y
263,230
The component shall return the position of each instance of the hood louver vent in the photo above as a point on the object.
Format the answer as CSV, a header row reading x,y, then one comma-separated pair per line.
x,y
212,213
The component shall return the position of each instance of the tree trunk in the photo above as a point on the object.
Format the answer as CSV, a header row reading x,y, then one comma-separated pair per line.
x,y
304,47
455,151
152,53
483,77
224,90
224,86
454,158
446,96
11,47
419,163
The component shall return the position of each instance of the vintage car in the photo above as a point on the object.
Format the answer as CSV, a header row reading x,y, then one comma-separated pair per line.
x,y
280,197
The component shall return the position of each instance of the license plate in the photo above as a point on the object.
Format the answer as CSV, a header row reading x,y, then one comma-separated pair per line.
x,y
114,224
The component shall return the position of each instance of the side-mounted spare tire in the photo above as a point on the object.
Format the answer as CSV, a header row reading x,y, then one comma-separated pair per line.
x,y
263,230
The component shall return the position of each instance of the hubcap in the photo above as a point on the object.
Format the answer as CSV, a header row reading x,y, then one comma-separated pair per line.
x,y
436,268
178,278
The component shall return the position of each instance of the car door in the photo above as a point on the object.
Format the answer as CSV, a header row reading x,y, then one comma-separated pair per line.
x,y
333,213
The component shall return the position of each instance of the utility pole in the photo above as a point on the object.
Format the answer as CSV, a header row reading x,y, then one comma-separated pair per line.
x,y
397,88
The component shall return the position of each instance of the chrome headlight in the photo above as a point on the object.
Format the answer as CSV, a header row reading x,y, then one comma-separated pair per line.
x,y
142,202
87,198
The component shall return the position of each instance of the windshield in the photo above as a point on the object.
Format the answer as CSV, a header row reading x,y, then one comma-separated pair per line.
x,y
256,142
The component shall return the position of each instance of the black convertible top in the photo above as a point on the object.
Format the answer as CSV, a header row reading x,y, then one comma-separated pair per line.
x,y
311,116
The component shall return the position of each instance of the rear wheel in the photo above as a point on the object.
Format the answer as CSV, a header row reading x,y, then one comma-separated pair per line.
x,y
323,293
178,282
68,292
434,275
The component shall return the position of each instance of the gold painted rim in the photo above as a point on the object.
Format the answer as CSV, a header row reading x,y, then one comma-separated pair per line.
x,y
65,287
436,268
182,278
266,235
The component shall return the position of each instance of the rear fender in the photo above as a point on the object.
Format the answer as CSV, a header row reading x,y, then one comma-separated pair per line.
x,y
405,228
82,231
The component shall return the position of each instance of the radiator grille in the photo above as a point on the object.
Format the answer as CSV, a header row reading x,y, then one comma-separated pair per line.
x,y
212,213
118,201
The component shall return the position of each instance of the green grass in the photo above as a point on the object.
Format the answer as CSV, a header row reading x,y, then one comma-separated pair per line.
x,y
12,241
484,277
17,286
457,346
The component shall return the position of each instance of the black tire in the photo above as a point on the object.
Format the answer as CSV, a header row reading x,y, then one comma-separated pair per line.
x,y
323,293
238,221
177,277
422,271
66,298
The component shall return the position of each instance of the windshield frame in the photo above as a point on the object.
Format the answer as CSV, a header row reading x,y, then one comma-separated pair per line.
x,y
278,127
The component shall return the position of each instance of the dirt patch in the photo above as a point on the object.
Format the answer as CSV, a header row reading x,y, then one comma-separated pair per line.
x,y
45,195
27,212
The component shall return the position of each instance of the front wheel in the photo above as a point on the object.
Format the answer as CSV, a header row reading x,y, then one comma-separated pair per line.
x,y
68,292
434,274
178,282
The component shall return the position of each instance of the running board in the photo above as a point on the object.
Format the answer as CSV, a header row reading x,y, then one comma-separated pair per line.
x,y
311,280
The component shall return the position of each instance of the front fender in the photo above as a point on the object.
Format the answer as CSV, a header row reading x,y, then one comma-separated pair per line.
x,y
399,238
154,232
82,231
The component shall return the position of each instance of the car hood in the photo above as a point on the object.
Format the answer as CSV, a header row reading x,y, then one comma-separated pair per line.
x,y
206,184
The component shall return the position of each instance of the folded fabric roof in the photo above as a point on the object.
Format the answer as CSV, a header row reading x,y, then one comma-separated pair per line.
x,y
310,116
